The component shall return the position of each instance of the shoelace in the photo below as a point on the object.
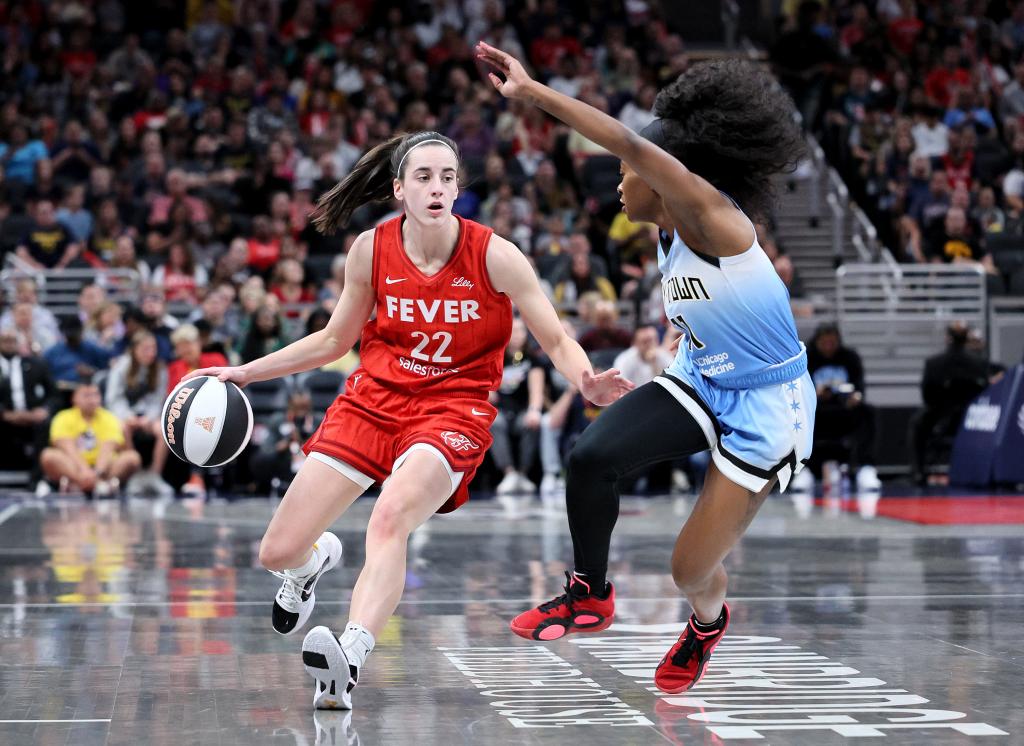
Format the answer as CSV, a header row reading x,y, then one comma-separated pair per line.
x,y
691,645
565,598
290,594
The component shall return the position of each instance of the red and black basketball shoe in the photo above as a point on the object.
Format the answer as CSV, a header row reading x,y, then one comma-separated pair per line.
x,y
684,663
576,610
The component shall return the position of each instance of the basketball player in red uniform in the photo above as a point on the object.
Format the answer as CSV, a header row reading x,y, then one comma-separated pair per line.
x,y
415,415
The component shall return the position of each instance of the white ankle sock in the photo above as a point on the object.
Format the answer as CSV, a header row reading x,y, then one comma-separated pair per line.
x,y
357,642
309,566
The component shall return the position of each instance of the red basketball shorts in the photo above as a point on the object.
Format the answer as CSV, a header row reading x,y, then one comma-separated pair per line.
x,y
371,429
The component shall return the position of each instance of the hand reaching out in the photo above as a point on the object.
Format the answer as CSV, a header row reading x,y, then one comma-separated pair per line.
x,y
605,388
517,80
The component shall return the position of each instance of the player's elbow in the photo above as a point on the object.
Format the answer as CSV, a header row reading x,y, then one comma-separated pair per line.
x,y
332,343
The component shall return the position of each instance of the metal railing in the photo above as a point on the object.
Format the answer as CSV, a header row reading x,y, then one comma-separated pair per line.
x,y
896,317
1006,330
58,289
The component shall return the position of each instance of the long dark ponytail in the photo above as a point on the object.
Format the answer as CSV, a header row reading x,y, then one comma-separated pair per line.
x,y
370,179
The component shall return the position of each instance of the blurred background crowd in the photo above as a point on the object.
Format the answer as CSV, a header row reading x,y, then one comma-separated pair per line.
x,y
920,105
167,154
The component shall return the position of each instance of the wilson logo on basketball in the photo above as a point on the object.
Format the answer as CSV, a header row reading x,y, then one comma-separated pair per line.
x,y
458,441
206,423
175,412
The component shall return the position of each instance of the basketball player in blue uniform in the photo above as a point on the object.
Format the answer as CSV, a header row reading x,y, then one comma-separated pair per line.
x,y
739,383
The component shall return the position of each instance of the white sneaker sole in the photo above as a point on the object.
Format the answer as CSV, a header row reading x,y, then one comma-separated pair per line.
x,y
325,660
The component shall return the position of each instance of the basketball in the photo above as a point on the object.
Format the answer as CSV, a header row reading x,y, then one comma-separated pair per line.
x,y
206,422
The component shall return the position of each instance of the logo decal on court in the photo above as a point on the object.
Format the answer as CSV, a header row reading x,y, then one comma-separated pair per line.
x,y
759,687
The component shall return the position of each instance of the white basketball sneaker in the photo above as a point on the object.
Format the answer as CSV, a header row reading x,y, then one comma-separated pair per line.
x,y
336,676
295,598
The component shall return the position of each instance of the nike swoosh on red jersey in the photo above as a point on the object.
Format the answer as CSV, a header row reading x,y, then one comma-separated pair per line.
x,y
482,414
389,281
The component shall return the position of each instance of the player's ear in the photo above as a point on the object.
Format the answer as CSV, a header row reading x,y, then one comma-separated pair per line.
x,y
397,186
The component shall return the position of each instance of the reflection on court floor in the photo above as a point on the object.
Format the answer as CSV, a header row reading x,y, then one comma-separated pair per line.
x,y
140,622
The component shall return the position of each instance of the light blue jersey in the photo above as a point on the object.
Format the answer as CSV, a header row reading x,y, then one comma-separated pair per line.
x,y
741,370
734,315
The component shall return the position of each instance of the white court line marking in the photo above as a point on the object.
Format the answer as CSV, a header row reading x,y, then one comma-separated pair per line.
x,y
9,511
440,601
87,720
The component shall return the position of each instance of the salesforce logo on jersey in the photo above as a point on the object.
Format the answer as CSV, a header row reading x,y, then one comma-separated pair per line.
x,y
983,416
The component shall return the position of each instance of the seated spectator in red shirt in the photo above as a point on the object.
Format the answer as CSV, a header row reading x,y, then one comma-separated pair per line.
x,y
189,355
289,284
904,30
547,50
264,248
78,58
177,191
606,333
958,162
940,81
180,276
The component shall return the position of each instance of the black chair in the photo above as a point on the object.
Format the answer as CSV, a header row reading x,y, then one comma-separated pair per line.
x,y
1007,250
318,267
323,387
267,397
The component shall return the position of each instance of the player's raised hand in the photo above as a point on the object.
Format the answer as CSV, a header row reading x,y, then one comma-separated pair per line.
x,y
606,387
238,374
516,79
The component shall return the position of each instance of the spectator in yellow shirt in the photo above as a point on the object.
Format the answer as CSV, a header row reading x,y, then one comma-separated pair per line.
x,y
87,447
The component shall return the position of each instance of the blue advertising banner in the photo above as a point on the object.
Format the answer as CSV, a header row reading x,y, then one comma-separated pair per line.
x,y
989,446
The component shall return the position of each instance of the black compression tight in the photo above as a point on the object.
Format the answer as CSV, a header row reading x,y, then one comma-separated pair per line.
x,y
644,427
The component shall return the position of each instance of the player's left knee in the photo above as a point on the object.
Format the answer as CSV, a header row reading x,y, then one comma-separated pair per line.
x,y
389,521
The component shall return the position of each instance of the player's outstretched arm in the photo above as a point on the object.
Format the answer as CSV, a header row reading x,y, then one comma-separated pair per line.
x,y
342,331
689,199
511,274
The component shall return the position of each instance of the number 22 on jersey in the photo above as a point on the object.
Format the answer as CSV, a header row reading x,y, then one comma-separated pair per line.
x,y
443,339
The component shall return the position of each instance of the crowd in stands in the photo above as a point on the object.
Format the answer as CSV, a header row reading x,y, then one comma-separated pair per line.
x,y
189,142
920,105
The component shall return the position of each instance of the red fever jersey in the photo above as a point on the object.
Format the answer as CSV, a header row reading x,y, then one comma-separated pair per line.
x,y
443,334
431,355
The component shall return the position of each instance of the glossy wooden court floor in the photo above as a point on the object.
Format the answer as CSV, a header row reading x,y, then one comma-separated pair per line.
x,y
143,623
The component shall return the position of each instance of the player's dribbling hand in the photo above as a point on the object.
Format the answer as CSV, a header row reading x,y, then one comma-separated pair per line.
x,y
604,388
516,78
236,373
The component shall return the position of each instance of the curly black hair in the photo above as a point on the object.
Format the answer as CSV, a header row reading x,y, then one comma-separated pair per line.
x,y
730,122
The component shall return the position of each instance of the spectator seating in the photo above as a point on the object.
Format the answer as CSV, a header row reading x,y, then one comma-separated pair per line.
x,y
267,397
323,387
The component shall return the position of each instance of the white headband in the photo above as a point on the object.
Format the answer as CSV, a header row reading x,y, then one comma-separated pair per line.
x,y
423,142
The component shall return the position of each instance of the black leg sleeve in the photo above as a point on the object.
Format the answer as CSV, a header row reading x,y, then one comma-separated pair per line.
x,y
644,427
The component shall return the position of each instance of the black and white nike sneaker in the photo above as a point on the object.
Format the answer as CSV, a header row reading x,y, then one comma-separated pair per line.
x,y
336,677
295,598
